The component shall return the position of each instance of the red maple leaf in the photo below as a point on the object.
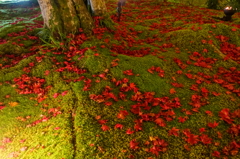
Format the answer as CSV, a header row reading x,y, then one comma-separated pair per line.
x,y
129,131
192,139
2,107
202,130
122,114
190,76
194,87
173,131
213,125
179,72
105,128
224,114
179,85
186,132
150,70
216,94
133,144
103,76
172,91
113,64
205,50
125,80
205,139
204,91
128,72
182,119
204,41
219,135
209,113
102,122
133,87
108,103
216,154
120,126
236,113
160,122
219,81
122,96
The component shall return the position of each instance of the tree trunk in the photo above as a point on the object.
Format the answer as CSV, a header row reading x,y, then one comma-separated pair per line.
x,y
67,16
98,7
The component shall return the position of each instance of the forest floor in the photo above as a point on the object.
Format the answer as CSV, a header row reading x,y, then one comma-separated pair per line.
x,y
161,83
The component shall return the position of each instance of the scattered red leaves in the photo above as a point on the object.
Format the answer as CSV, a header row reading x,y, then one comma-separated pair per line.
x,y
205,139
31,85
128,72
224,114
180,63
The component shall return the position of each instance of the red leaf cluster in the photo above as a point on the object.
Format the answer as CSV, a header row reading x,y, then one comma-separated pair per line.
x,y
202,61
31,85
190,138
156,69
105,128
43,119
119,126
174,131
133,144
224,114
105,96
231,51
231,149
213,125
157,145
70,67
228,79
54,111
128,72
120,49
205,139
180,63
122,114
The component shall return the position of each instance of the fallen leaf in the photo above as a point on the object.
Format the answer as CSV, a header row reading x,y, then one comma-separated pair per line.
x,y
13,104
172,91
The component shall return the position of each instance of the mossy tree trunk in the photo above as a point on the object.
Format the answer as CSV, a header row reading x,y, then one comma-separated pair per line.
x,y
98,7
67,16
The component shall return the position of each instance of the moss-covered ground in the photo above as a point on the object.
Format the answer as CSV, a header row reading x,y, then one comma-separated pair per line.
x,y
161,83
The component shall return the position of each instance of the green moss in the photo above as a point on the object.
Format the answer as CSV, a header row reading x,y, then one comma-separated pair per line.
x,y
178,23
10,29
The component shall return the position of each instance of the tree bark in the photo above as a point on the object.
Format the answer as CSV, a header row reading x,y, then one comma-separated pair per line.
x,y
98,7
67,16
